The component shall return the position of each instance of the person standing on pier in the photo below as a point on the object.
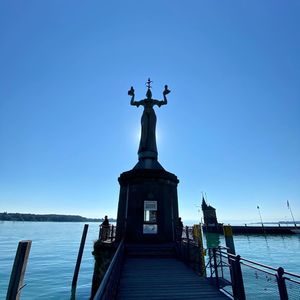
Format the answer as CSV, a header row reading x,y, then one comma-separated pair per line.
x,y
179,229
105,229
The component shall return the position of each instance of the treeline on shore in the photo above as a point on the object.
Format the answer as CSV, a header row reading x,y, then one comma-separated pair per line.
x,y
46,218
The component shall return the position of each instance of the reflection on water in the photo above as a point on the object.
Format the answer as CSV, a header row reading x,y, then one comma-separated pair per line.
x,y
212,240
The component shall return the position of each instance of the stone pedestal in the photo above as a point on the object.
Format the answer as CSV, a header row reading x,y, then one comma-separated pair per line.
x,y
148,206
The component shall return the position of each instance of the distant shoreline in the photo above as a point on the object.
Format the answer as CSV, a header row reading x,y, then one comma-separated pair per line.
x,y
47,218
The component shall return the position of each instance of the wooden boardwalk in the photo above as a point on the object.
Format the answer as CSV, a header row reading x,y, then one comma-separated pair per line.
x,y
163,278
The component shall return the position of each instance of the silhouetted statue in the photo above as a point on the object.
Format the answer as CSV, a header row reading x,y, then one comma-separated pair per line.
x,y
148,148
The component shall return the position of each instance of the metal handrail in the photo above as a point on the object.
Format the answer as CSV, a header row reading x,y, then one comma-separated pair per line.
x,y
259,264
251,262
292,280
255,268
104,283
236,273
107,233
292,274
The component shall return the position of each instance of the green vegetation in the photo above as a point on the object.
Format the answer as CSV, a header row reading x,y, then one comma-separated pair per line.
x,y
46,218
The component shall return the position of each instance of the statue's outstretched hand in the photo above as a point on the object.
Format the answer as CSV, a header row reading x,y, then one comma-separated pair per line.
x,y
131,91
166,91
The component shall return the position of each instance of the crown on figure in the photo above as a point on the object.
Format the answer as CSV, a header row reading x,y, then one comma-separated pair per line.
x,y
148,85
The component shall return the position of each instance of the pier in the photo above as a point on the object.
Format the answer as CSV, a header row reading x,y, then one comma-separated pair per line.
x,y
249,229
151,255
177,271
156,271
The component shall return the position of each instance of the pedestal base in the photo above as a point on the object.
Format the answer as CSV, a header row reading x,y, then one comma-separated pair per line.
x,y
148,206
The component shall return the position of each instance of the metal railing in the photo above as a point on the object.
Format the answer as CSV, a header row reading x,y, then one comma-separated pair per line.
x,y
107,233
109,285
246,279
189,248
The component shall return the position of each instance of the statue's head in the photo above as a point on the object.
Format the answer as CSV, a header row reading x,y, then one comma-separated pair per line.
x,y
149,94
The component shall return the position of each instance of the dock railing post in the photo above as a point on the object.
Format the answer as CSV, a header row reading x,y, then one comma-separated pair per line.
x,y
112,233
281,284
18,271
187,244
231,250
214,250
238,282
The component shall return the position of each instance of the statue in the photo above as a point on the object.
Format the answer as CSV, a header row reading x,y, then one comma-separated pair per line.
x,y
148,148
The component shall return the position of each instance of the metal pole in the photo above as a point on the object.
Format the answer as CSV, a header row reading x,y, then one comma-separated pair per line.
x,y
188,244
262,224
239,290
111,233
281,284
78,262
216,267
18,271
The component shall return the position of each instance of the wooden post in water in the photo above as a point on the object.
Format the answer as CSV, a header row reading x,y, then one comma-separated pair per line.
x,y
199,238
78,262
227,229
18,271
229,238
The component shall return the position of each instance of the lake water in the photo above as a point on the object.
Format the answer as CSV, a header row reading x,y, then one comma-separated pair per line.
x,y
55,247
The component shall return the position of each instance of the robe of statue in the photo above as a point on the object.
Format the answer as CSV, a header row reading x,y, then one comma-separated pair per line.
x,y
148,146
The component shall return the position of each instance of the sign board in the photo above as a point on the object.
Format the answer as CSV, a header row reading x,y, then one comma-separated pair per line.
x,y
150,229
150,205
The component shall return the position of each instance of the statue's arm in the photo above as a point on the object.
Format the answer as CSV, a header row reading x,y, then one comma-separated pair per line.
x,y
165,101
132,102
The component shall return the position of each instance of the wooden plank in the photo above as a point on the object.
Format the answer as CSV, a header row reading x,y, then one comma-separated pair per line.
x,y
163,278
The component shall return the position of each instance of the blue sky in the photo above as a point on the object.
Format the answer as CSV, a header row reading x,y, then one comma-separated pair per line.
x,y
231,127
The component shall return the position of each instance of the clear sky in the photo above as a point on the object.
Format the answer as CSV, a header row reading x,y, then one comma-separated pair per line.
x,y
231,127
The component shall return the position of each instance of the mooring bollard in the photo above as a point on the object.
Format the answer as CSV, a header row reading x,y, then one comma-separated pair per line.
x,y
16,282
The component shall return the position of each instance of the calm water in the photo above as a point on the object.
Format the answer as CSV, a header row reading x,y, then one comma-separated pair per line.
x,y
52,258
55,246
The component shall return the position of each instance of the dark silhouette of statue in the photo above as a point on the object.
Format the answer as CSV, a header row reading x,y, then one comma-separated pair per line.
x,y
148,148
